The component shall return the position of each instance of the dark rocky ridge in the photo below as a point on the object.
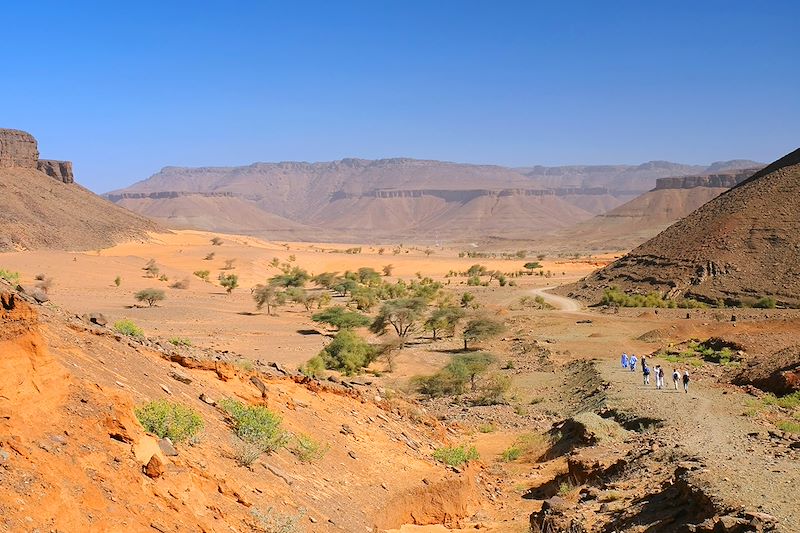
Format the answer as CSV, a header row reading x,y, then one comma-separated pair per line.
x,y
744,244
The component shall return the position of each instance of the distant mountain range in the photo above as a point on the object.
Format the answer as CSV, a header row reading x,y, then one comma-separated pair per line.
x,y
388,199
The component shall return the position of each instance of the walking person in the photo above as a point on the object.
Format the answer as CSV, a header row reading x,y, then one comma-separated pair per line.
x,y
624,360
686,381
646,374
659,377
675,377
632,362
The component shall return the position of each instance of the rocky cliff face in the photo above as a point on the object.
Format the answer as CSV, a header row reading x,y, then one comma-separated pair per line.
x,y
726,180
60,170
17,149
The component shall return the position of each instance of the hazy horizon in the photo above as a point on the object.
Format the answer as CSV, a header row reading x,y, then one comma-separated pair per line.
x,y
123,92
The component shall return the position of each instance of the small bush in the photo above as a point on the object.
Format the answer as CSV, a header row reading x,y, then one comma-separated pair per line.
x,y
255,424
307,449
209,257
455,456
767,302
565,488
202,274
9,276
487,428
314,368
180,341
493,390
347,353
244,364
216,241
789,426
151,296
270,521
229,282
511,454
167,419
182,284
128,327
118,281
245,452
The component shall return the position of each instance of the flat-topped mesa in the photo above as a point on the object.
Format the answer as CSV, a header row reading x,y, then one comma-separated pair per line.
x,y
18,149
726,180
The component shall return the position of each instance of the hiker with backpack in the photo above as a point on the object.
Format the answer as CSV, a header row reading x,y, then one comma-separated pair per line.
x,y
675,377
686,381
624,360
659,377
646,374
632,362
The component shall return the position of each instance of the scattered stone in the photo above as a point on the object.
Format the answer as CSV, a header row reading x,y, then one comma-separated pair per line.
x,y
259,385
179,376
352,454
154,467
165,389
280,473
346,430
4,456
205,398
167,448
159,527
98,319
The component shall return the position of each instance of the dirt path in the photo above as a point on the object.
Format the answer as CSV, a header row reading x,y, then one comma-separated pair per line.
x,y
707,423
561,303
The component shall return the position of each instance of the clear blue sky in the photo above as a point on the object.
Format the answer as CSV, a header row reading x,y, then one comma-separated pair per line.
x,y
123,89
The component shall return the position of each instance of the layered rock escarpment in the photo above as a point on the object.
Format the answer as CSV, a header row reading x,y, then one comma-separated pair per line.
x,y
42,207
726,180
19,149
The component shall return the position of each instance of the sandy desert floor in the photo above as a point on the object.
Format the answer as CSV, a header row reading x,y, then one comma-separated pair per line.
x,y
543,351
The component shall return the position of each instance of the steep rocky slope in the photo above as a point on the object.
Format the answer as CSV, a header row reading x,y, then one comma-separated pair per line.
x,y
42,207
644,217
744,244
400,198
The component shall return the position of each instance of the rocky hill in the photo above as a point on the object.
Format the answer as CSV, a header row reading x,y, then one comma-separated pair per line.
x,y
629,225
401,198
742,246
42,207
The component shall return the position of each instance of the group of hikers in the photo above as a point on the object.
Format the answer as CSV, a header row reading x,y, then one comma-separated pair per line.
x,y
630,364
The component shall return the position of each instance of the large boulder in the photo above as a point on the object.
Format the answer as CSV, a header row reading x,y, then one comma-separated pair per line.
x,y
17,149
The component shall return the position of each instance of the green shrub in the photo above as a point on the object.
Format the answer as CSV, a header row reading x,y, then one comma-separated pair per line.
x,y
168,419
180,341
202,274
455,456
9,276
767,302
487,428
271,521
118,281
314,368
128,327
307,449
789,426
256,425
493,390
347,353
151,296
511,454
614,297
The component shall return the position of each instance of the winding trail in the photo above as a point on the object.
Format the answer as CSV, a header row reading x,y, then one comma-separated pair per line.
x,y
562,303
743,464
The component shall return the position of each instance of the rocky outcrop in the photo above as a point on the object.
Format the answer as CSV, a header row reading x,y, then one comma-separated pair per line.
x,y
165,194
17,149
726,180
60,170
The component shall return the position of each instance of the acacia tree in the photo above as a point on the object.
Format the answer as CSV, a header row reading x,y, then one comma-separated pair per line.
x,y
229,281
401,314
444,319
341,318
479,329
294,277
151,296
268,295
